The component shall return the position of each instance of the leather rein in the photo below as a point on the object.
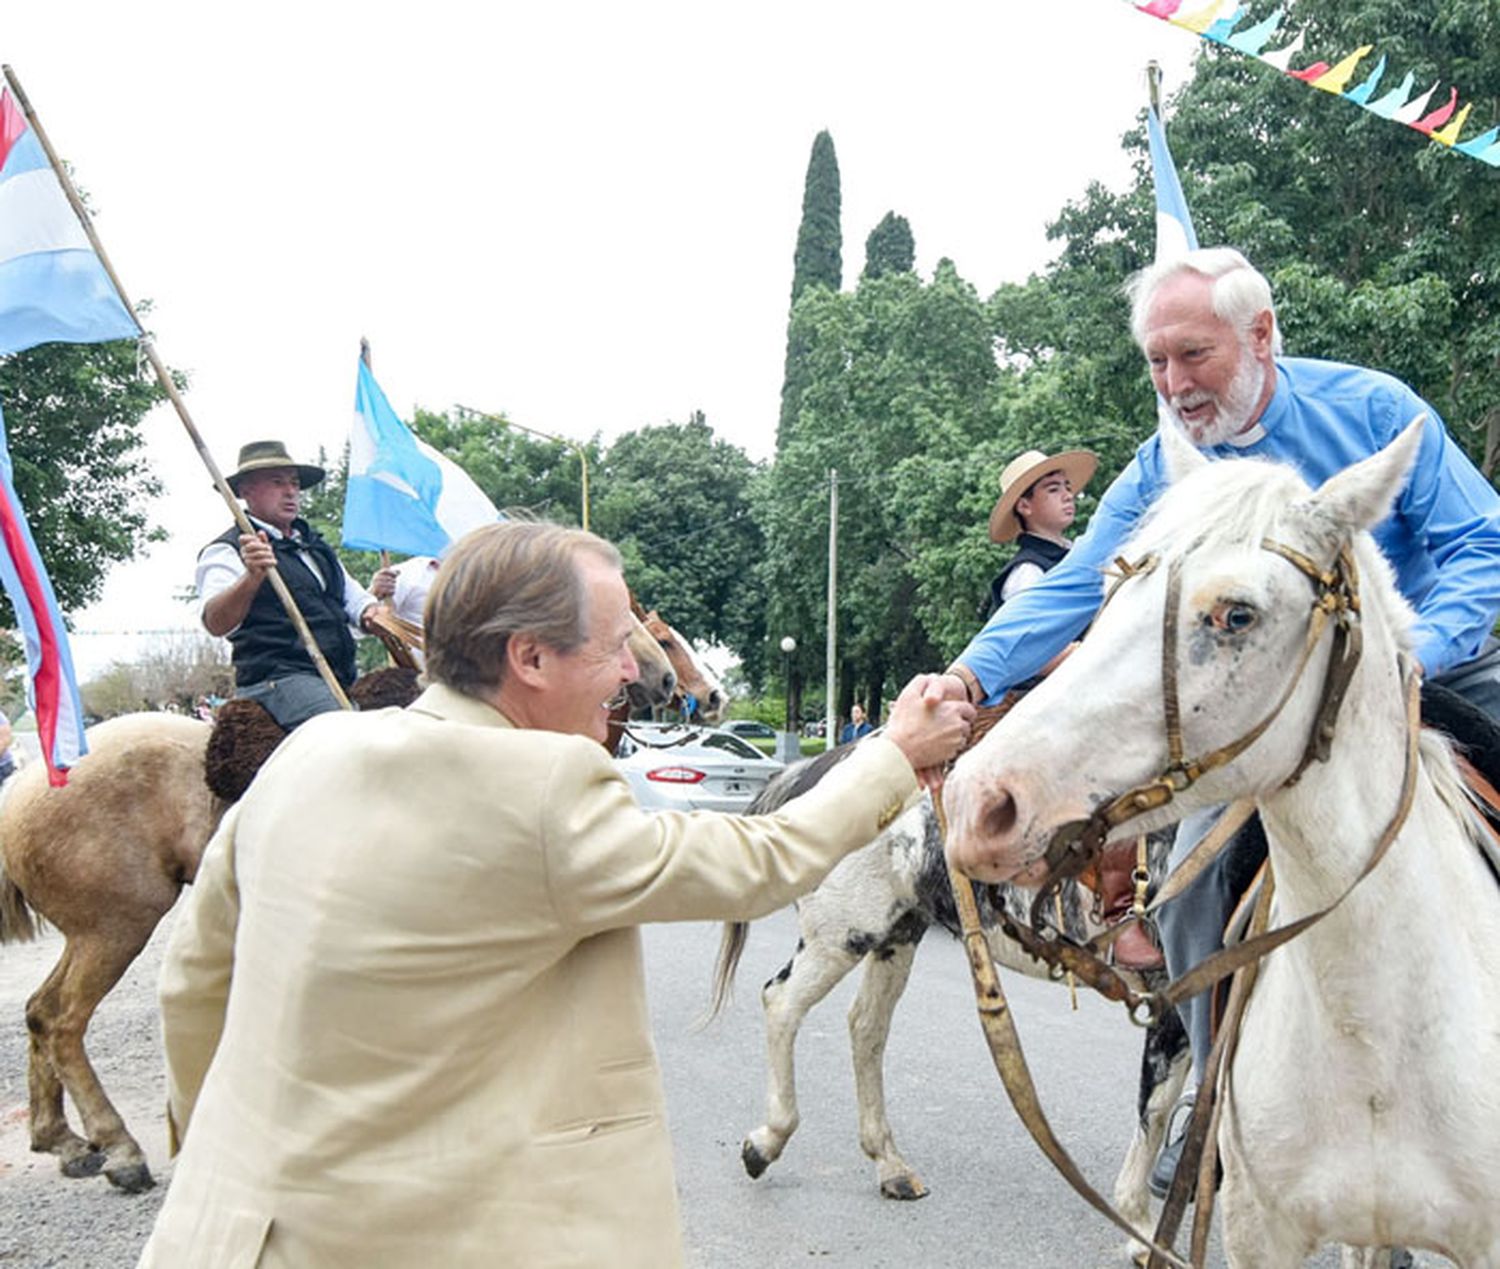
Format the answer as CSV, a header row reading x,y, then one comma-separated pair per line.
x,y
1076,846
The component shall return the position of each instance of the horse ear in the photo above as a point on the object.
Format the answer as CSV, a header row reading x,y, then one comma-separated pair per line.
x,y
1361,496
1182,457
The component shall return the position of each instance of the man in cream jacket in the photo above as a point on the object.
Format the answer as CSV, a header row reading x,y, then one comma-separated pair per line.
x,y
404,1007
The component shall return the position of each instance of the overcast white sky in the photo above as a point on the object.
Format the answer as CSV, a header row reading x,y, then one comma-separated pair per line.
x,y
582,215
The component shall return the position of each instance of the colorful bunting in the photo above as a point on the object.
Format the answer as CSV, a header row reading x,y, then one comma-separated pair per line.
x,y
1219,22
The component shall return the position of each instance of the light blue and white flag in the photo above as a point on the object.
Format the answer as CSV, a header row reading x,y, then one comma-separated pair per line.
x,y
402,494
1174,227
53,287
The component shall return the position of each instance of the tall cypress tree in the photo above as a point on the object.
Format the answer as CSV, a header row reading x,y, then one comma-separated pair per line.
x,y
890,247
818,261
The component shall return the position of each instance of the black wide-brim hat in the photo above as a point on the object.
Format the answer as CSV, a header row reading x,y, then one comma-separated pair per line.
x,y
263,455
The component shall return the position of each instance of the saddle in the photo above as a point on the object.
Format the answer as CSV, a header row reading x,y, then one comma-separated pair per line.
x,y
245,734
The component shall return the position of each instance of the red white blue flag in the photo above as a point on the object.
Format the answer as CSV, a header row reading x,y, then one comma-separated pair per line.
x,y
53,287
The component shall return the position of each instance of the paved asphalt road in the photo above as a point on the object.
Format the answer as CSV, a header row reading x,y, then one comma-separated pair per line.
x,y
994,1200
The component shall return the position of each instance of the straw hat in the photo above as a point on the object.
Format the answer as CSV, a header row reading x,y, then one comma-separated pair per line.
x,y
1023,472
260,455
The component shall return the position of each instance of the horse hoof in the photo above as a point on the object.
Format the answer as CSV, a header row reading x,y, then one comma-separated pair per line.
x,y
134,1178
755,1162
83,1165
904,1188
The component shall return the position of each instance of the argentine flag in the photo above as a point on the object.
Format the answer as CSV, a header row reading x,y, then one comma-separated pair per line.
x,y
1174,227
53,288
402,494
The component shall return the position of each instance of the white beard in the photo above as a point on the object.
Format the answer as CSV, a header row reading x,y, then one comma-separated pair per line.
x,y
1232,411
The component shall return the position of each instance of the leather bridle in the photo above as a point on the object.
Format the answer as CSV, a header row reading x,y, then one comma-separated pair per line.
x,y
1336,600
1075,846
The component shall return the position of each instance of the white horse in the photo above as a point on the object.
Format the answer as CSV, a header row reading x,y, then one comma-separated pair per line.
x,y
874,909
1362,1105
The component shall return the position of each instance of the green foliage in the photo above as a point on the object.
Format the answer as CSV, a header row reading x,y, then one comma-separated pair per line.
x,y
820,241
73,421
677,501
903,400
817,264
1383,250
890,247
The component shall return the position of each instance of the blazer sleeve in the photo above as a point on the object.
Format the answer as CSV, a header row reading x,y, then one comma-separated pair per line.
x,y
610,864
194,985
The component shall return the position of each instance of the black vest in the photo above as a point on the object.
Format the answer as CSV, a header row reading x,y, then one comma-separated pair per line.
x,y
266,644
1033,550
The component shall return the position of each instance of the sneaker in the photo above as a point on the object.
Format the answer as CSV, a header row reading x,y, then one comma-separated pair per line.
x,y
1165,1167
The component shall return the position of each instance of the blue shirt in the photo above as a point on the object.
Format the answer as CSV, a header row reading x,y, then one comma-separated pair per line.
x,y
1442,538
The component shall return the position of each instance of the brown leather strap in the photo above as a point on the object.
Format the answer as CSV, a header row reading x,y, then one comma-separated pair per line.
x,y
1190,869
1010,1062
1221,964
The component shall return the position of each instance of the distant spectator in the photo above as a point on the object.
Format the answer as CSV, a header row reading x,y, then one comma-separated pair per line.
x,y
7,757
856,727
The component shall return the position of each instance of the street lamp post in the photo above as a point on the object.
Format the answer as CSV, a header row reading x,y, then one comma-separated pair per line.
x,y
790,748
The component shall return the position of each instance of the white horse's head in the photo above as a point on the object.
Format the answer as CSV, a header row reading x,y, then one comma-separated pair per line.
x,y
1095,728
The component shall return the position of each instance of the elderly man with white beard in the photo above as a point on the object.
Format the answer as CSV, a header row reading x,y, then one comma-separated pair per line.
x,y
1207,325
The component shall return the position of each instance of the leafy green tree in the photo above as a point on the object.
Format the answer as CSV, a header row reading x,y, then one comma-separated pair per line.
x,y
677,501
73,422
902,399
890,247
818,262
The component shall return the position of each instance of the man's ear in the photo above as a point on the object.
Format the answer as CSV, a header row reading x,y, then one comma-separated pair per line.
x,y
1262,331
525,659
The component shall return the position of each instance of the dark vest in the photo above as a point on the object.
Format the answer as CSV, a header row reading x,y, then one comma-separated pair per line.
x,y
266,644
1033,550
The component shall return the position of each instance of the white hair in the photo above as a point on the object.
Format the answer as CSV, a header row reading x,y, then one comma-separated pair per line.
x,y
1240,291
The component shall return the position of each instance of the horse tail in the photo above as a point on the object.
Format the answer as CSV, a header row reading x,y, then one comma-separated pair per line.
x,y
731,947
17,924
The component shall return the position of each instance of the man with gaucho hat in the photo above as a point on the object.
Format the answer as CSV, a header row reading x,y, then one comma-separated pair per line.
x,y
270,663
1035,510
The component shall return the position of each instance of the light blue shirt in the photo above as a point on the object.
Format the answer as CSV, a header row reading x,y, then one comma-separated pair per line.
x,y
1442,539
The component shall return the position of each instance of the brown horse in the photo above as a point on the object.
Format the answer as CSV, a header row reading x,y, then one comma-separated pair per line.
x,y
104,859
698,691
101,859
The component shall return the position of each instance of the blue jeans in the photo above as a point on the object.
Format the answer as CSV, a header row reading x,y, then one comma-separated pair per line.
x,y
291,698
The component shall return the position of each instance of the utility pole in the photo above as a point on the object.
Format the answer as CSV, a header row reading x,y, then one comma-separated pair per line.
x,y
831,706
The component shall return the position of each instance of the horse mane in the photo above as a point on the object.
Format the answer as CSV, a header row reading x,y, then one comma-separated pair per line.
x,y
1436,756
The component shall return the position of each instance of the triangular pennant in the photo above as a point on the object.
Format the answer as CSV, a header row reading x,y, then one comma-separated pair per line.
x,y
1335,80
1413,110
1281,58
1450,134
1252,39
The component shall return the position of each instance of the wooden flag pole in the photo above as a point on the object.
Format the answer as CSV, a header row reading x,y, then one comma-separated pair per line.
x,y
165,379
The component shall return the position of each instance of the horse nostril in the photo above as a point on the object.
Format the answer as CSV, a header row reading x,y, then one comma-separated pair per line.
x,y
999,819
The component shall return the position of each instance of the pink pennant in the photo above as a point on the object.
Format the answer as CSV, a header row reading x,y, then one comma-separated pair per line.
x,y
1161,8
1309,73
1431,123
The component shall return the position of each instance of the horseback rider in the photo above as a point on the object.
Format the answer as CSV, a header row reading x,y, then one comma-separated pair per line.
x,y
270,663
1035,509
1207,325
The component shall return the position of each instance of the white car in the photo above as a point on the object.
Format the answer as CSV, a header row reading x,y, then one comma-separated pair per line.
x,y
684,767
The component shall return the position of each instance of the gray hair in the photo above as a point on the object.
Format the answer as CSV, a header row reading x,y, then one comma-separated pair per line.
x,y
501,580
1240,291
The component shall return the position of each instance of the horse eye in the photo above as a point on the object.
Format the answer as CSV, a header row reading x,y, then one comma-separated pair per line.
x,y
1233,618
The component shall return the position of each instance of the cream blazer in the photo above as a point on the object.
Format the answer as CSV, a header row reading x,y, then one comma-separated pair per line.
x,y
403,1006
